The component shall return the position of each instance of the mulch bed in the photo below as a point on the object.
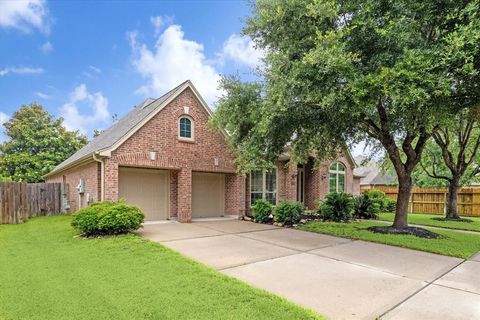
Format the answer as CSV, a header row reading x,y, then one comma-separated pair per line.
x,y
414,231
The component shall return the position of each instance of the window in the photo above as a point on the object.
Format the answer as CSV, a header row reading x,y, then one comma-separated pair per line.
x,y
263,185
337,177
185,127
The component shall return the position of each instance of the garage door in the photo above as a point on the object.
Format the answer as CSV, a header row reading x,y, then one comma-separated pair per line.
x,y
208,190
146,189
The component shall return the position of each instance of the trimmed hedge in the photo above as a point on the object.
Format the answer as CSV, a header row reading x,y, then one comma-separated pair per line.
x,y
262,211
288,212
107,218
384,202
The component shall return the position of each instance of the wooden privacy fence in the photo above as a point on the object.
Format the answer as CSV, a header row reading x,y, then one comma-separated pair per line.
x,y
429,200
21,201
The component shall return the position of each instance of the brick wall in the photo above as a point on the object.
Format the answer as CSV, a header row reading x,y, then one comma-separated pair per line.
x,y
317,183
160,135
235,194
90,174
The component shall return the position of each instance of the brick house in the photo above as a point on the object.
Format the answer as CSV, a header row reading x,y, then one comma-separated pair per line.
x,y
163,157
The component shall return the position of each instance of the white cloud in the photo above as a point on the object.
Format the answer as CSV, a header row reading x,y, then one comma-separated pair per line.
x,y
25,15
42,95
81,100
3,118
159,21
46,47
95,69
20,70
173,60
241,50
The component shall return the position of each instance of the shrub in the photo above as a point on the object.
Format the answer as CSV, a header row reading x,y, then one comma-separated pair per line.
x,y
391,205
385,203
288,212
337,206
107,218
262,210
366,208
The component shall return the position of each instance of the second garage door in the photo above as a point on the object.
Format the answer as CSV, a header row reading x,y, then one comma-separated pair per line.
x,y
146,189
208,195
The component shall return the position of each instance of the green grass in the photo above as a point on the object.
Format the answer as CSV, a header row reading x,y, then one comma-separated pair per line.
x,y
455,244
426,220
48,273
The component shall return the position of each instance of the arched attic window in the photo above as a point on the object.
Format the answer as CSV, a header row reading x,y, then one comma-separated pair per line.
x,y
185,128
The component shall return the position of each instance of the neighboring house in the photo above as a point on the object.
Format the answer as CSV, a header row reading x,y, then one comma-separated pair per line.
x,y
163,157
372,175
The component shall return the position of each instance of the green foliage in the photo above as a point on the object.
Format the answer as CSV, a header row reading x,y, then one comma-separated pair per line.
x,y
452,243
429,220
390,205
239,112
262,209
288,212
37,143
378,197
116,277
337,206
107,218
366,207
388,72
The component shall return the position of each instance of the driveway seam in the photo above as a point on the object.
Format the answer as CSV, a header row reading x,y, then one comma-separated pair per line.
x,y
366,267
281,246
253,262
266,229
421,289
458,289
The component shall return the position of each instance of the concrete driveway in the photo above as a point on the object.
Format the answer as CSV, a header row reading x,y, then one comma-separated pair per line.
x,y
339,278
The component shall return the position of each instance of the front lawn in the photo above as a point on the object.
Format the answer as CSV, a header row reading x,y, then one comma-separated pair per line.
x,y
455,244
47,273
426,220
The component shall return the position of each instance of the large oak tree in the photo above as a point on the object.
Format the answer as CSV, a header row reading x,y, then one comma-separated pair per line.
x,y
343,71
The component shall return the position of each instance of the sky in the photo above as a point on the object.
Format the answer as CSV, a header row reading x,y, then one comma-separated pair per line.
x,y
91,61
87,61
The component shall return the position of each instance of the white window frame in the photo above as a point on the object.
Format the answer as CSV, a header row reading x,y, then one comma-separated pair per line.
x,y
264,186
192,128
337,174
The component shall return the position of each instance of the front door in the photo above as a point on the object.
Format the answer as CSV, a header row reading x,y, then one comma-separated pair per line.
x,y
301,185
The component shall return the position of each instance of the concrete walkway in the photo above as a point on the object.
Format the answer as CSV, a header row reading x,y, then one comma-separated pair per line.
x,y
339,278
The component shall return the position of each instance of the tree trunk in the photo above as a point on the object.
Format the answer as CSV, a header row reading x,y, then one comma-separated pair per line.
x,y
401,211
452,212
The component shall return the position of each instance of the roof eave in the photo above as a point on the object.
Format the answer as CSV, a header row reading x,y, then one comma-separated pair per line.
x,y
85,159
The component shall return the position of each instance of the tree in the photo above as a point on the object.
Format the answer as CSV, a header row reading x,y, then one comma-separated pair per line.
x,y
37,143
454,156
339,71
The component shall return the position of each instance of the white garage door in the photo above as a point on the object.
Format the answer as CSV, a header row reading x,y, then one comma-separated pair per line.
x,y
146,189
208,193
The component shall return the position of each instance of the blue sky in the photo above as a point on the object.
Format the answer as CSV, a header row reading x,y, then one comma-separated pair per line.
x,y
88,60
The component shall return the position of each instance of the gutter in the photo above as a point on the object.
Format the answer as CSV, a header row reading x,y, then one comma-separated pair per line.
x,y
102,175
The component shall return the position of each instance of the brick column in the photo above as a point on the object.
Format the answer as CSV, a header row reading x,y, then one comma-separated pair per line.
x,y
241,187
184,195
291,181
111,180
235,194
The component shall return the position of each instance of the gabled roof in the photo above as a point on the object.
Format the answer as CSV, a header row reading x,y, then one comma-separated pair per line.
x,y
371,173
120,131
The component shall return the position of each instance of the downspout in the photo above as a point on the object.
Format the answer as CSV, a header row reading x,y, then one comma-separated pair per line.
x,y
102,176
